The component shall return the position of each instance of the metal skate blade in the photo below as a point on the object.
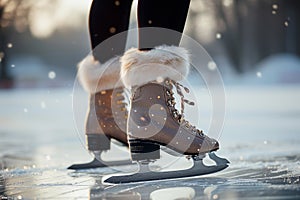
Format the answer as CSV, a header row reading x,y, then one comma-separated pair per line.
x,y
218,160
98,164
197,170
93,164
170,151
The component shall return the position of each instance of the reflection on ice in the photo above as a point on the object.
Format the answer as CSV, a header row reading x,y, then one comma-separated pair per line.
x,y
173,193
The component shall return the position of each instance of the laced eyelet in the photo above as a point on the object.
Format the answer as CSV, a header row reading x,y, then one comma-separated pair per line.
x,y
187,125
119,102
200,132
175,114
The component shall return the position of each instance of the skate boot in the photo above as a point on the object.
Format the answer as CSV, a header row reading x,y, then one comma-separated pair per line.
x,y
153,119
107,113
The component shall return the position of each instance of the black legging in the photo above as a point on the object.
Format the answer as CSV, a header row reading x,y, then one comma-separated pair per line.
x,y
110,17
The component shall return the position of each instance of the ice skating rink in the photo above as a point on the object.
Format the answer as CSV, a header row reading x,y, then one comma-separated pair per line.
x,y
260,137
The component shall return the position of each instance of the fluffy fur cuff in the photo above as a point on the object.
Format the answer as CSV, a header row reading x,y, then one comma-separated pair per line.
x,y
95,77
140,67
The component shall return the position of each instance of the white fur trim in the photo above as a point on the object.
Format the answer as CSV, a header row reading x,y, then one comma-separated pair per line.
x,y
95,77
140,67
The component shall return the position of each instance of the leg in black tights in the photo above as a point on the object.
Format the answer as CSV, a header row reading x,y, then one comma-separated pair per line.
x,y
167,14
108,18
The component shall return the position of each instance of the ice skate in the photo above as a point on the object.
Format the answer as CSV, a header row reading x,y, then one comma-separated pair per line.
x,y
154,122
107,114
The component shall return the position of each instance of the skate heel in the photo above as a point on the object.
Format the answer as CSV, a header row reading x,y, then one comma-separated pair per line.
x,y
98,142
144,150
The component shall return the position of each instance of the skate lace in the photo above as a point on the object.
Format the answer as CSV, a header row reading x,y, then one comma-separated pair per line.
x,y
183,101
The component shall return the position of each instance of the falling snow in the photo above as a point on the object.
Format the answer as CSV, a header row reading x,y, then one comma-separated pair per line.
x,y
48,157
227,3
160,79
52,75
275,6
9,45
1,56
259,74
218,36
25,110
212,66
13,66
286,23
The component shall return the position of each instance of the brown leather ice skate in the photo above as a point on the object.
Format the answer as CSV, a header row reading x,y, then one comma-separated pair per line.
x,y
155,121
106,119
153,118
107,113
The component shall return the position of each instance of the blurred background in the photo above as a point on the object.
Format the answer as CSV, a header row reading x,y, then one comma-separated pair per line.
x,y
42,41
255,44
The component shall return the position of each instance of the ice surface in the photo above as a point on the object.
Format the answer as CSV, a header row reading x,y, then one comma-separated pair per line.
x,y
260,138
